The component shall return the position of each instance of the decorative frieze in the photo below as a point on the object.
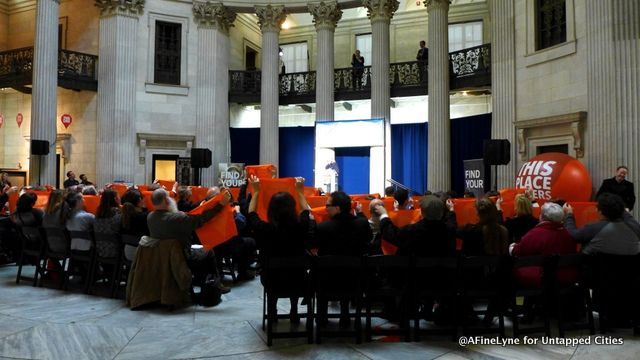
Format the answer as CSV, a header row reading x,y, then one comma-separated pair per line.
x,y
325,14
120,7
213,15
381,9
270,18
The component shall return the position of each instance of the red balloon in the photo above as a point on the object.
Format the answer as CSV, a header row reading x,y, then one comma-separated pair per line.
x,y
555,175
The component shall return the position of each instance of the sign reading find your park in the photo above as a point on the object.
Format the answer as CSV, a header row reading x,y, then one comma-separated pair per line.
x,y
231,175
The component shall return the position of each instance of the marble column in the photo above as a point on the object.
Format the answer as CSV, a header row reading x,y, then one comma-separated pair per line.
x,y
439,158
42,168
325,17
116,154
613,79
503,80
270,18
380,13
212,86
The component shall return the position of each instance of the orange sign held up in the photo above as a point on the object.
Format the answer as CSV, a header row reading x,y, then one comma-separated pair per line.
x,y
220,228
120,188
91,203
269,187
400,218
261,171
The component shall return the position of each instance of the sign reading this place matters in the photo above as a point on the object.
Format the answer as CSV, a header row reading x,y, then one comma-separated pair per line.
x,y
474,179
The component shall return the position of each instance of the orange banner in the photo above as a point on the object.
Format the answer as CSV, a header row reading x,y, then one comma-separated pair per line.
x,y
400,218
220,228
269,187
320,214
146,197
91,203
198,193
120,188
13,201
584,213
261,171
166,184
317,201
43,198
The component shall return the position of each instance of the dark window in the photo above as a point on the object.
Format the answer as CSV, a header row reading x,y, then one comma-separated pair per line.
x,y
551,21
167,55
563,148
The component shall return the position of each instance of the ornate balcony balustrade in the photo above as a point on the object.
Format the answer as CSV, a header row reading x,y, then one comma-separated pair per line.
x,y
76,70
470,68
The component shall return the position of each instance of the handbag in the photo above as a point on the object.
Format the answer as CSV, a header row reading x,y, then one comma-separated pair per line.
x,y
210,294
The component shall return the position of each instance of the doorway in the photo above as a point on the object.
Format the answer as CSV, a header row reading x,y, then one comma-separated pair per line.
x,y
250,58
353,169
164,167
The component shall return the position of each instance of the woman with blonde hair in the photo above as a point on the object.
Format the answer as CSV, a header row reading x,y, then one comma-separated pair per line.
x,y
523,221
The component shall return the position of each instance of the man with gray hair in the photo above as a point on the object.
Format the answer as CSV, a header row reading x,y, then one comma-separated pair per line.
x,y
165,223
547,238
433,235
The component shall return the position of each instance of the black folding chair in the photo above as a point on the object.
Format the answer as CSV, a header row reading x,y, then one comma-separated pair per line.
x,y
577,288
108,252
386,281
285,278
32,246
435,280
57,249
81,260
541,293
484,278
338,278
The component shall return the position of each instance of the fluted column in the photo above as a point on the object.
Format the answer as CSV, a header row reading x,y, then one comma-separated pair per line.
x,y
325,17
44,95
439,158
380,13
270,18
116,132
503,80
212,86
613,79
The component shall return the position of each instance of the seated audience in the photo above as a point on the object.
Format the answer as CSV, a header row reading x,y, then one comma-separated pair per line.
x,y
26,214
166,223
342,234
431,236
134,215
523,221
55,214
184,200
547,238
487,237
402,201
79,220
618,233
375,245
284,234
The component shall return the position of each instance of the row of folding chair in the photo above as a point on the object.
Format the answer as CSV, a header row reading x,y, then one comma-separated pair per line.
x,y
50,250
455,283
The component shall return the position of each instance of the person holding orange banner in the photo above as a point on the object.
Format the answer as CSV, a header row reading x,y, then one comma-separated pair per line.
x,y
284,234
433,235
166,223
523,221
487,237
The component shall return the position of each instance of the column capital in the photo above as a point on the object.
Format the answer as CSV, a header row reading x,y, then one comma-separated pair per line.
x,y
132,8
381,9
325,14
213,16
437,4
270,17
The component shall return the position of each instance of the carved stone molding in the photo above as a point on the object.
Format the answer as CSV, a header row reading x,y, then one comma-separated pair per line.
x,y
381,9
325,14
132,8
213,15
435,4
270,18
570,125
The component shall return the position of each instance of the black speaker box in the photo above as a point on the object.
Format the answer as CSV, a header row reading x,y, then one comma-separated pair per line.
x,y
200,158
39,147
497,152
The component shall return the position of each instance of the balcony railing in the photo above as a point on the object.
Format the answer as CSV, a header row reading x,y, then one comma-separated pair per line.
x,y
76,70
469,68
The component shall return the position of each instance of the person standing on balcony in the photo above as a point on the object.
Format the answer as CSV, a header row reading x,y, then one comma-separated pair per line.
x,y
423,60
357,62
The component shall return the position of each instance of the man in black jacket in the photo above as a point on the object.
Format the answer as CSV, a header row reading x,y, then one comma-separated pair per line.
x,y
343,234
620,186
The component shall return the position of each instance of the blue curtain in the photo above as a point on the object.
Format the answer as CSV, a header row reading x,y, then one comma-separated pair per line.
x,y
245,145
409,155
467,136
353,167
297,148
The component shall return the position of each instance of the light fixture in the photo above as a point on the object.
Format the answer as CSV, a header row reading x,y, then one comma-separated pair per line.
x,y
286,25
280,52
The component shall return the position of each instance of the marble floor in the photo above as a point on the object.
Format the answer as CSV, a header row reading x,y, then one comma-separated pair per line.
x,y
43,323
